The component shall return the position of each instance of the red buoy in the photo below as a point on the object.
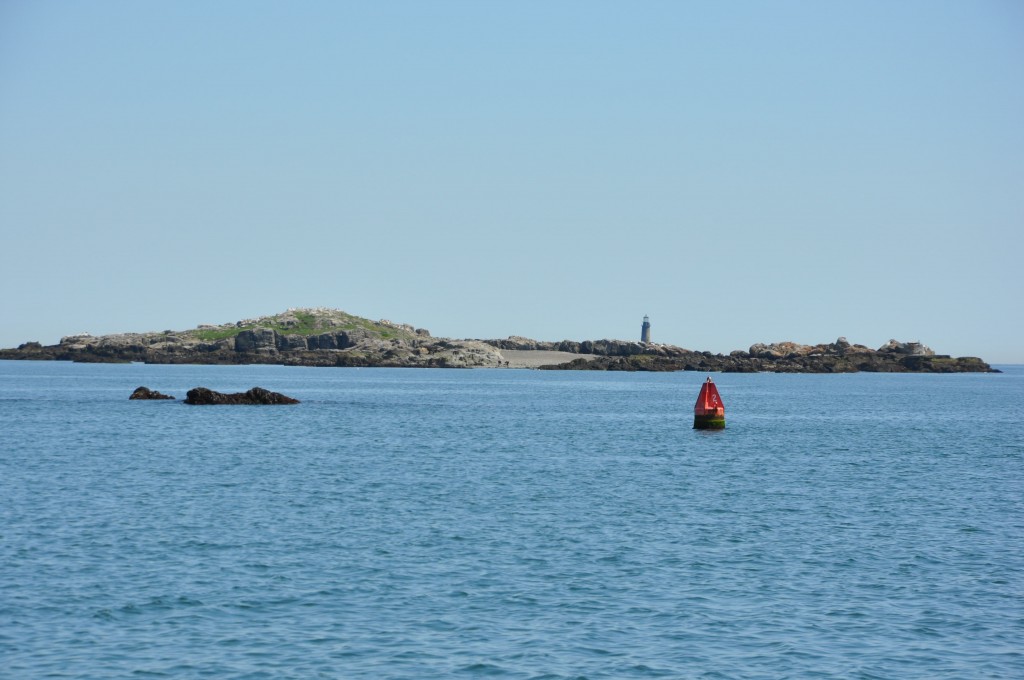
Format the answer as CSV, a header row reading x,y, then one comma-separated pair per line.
x,y
709,412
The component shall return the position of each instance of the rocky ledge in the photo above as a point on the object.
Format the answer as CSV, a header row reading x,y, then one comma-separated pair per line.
x,y
329,337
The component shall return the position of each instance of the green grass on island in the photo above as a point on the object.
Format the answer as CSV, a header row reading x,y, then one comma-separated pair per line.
x,y
304,322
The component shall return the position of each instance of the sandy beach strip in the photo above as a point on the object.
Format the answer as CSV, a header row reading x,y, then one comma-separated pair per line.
x,y
532,358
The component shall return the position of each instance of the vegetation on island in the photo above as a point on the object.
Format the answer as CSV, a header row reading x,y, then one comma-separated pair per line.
x,y
331,337
305,322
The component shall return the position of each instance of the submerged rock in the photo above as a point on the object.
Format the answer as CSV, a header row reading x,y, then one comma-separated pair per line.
x,y
146,393
201,396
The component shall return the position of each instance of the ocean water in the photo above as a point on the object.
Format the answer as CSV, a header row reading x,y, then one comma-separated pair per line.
x,y
509,524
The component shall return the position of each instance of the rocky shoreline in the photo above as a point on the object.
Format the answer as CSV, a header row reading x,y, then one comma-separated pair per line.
x,y
327,337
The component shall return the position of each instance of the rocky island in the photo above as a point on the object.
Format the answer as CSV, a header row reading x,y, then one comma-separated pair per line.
x,y
330,337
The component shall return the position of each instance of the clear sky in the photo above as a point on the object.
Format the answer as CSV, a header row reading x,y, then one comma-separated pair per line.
x,y
740,171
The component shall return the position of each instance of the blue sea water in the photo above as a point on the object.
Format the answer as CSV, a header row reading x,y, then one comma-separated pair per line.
x,y
509,524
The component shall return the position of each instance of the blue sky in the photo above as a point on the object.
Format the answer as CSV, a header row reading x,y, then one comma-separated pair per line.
x,y
742,172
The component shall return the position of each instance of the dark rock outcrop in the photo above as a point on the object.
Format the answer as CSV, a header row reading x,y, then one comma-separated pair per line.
x,y
202,396
291,342
256,339
784,357
146,393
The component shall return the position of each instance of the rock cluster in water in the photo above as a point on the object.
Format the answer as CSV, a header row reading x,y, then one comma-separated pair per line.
x,y
257,396
146,393
328,337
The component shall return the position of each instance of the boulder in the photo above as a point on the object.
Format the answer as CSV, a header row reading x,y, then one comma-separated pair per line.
x,y
291,342
77,339
323,341
779,350
347,339
146,393
201,396
256,339
911,348
625,349
516,342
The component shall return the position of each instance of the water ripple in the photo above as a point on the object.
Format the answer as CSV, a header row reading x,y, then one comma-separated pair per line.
x,y
511,524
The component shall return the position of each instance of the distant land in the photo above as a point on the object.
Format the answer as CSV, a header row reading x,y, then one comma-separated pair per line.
x,y
330,337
